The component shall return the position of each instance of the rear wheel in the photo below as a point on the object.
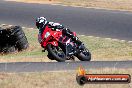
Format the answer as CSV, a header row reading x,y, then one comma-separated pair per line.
x,y
56,53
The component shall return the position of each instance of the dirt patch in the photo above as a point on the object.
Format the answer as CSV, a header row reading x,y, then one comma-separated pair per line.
x,y
37,1
65,79
30,59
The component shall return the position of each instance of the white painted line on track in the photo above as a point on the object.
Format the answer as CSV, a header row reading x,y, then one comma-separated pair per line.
x,y
10,25
123,40
24,27
97,37
90,36
30,28
3,24
82,35
115,39
108,38
129,41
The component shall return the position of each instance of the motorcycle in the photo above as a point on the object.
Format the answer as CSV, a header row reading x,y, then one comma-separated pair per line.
x,y
61,48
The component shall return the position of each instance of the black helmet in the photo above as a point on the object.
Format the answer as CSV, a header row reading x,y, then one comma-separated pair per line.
x,y
40,22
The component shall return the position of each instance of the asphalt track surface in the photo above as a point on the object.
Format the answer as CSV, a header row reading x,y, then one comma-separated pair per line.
x,y
93,22
60,66
101,23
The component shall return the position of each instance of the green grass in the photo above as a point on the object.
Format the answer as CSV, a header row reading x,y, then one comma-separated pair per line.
x,y
108,49
101,49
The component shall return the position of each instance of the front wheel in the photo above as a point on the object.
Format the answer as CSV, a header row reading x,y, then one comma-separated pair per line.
x,y
56,53
85,55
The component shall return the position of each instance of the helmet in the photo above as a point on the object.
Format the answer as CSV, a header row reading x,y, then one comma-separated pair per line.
x,y
40,22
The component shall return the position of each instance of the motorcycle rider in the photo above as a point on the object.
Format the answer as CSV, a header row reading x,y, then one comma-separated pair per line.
x,y
41,24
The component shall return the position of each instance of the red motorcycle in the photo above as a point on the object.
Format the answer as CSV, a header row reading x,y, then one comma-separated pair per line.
x,y
60,47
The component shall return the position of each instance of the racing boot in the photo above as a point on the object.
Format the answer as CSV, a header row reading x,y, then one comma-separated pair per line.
x,y
70,34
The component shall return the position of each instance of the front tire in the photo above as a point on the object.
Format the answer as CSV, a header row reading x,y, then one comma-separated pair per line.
x,y
57,54
84,55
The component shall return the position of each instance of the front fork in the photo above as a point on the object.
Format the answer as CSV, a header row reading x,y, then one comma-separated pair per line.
x,y
70,52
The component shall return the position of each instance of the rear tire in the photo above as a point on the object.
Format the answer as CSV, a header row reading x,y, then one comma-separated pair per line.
x,y
54,54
